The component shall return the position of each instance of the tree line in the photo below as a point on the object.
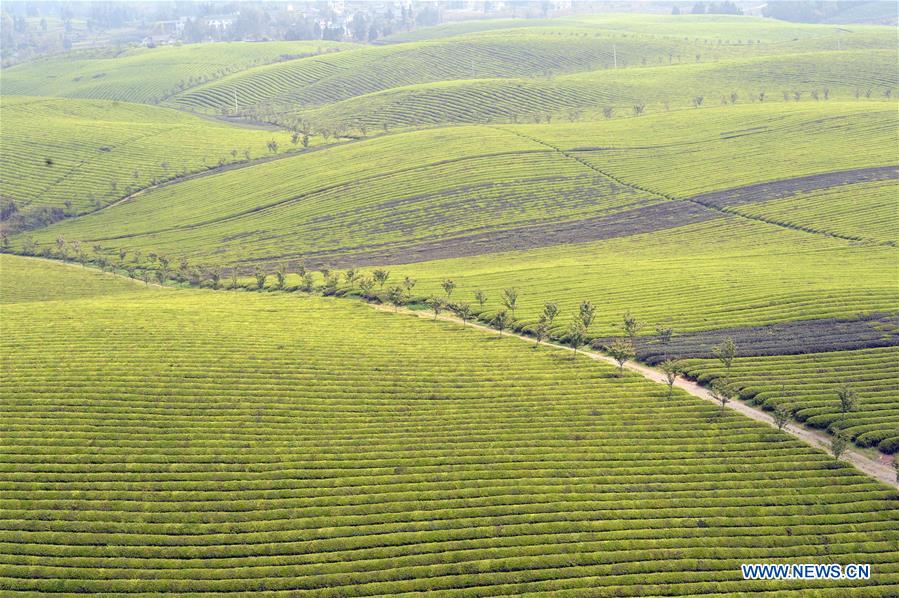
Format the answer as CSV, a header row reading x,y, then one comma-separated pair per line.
x,y
377,286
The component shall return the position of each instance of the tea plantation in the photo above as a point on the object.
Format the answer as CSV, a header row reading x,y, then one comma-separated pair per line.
x,y
809,386
219,373
200,441
147,74
83,154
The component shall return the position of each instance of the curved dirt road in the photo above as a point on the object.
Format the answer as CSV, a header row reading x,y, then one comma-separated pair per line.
x,y
880,470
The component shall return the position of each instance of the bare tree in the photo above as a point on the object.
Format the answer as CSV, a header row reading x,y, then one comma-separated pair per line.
x,y
726,352
62,248
541,330
448,286
697,101
381,277
781,416
621,351
366,284
463,310
848,399
481,298
607,112
671,369
721,391
280,276
550,311
587,313
435,303
260,275
632,326
838,444
510,299
639,108
576,336
395,296
215,275
351,276
501,320
664,335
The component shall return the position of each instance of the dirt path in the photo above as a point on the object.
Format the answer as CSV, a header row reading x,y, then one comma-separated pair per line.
x,y
879,469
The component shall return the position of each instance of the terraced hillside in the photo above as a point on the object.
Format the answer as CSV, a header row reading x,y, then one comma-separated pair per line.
x,y
540,185
510,69
291,443
588,96
325,79
79,155
147,75
633,214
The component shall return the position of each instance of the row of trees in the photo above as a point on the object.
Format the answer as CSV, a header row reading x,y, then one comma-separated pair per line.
x,y
359,128
375,287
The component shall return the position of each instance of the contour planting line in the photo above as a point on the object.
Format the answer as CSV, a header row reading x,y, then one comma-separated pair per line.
x,y
707,205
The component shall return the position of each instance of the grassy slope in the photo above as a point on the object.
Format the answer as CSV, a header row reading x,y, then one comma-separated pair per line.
x,y
143,74
722,273
586,94
688,152
865,211
529,49
290,443
399,188
91,143
325,79
28,280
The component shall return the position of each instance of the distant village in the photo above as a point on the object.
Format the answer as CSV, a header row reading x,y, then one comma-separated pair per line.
x,y
29,29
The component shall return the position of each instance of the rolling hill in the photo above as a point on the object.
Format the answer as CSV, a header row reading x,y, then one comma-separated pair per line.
x,y
147,75
83,154
300,444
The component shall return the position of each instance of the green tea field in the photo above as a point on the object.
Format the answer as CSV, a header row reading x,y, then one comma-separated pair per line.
x,y
300,444
449,299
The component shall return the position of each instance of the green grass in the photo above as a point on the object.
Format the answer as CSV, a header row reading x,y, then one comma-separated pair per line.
x,y
144,74
325,79
807,385
528,60
93,152
394,191
864,211
57,282
688,152
330,195
191,441
718,274
585,95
